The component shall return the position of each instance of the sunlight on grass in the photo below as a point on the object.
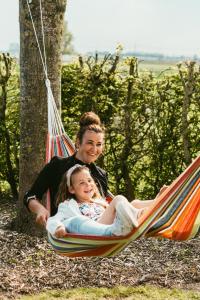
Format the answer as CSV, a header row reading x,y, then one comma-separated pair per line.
x,y
129,293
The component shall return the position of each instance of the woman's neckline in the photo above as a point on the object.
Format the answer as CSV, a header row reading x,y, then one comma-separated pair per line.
x,y
82,162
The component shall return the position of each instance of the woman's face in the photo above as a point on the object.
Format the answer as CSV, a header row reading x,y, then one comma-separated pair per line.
x,y
91,146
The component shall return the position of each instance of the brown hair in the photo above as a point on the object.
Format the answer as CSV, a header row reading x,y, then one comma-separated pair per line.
x,y
89,121
63,191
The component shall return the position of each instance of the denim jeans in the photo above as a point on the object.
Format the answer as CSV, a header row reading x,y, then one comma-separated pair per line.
x,y
85,225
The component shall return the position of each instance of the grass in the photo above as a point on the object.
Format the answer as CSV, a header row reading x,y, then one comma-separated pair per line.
x,y
129,293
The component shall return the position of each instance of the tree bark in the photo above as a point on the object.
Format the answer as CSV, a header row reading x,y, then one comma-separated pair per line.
x,y
33,106
188,88
127,148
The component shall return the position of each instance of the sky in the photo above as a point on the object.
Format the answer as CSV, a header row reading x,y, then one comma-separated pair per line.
x,y
169,27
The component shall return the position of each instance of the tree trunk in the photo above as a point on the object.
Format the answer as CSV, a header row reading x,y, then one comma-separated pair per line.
x,y
188,87
33,107
127,147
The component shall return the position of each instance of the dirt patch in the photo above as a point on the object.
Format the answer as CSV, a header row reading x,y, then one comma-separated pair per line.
x,y
28,265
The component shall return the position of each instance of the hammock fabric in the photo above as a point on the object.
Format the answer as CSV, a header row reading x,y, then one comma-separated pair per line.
x,y
174,215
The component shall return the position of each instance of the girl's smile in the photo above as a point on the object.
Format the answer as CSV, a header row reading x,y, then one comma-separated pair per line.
x,y
83,186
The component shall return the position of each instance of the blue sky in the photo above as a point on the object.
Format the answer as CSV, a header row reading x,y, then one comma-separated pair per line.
x,y
164,26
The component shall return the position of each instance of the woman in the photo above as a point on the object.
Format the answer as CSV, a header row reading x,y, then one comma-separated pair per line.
x,y
89,146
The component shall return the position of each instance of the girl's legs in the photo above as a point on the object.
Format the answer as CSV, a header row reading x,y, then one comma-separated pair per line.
x,y
109,214
121,207
118,219
84,225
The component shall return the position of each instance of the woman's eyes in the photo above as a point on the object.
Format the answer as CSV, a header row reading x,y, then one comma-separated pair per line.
x,y
91,143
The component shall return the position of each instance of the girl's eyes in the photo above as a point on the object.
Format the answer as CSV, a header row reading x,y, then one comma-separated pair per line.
x,y
83,182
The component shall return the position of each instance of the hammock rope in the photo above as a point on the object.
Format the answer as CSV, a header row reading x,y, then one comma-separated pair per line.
x,y
174,215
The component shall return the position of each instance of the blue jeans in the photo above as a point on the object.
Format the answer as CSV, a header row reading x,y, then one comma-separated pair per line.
x,y
85,225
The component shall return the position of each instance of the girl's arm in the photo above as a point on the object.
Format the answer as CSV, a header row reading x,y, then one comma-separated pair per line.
x,y
55,222
60,231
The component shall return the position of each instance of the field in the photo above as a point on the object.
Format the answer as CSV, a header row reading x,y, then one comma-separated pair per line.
x,y
158,67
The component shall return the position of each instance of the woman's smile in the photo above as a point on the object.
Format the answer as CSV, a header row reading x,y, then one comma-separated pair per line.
x,y
91,147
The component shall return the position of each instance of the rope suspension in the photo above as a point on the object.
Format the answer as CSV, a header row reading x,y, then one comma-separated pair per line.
x,y
55,125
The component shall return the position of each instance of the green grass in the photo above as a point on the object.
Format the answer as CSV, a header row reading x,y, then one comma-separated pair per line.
x,y
129,293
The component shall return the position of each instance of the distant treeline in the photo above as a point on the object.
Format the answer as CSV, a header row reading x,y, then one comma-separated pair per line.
x,y
152,56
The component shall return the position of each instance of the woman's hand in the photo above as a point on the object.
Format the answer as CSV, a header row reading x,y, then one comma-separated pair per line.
x,y
60,231
42,216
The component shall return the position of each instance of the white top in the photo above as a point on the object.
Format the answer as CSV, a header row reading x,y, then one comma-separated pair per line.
x,y
67,209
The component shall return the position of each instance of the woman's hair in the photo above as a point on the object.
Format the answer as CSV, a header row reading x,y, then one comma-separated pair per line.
x,y
89,121
63,190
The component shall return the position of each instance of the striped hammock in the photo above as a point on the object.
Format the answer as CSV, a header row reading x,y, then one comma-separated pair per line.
x,y
175,214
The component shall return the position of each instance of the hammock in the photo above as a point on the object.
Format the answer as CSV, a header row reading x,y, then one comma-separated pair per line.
x,y
175,214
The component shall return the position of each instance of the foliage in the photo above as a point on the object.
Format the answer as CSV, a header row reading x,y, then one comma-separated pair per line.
x,y
9,126
143,115
152,123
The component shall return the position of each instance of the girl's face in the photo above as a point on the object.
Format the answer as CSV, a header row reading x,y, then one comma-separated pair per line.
x,y
83,186
91,146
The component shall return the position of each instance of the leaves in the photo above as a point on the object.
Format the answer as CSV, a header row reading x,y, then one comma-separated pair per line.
x,y
142,114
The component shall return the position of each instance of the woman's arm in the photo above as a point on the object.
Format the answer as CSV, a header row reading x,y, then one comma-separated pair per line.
x,y
42,214
33,197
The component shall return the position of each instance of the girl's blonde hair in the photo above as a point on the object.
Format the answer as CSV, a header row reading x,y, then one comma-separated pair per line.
x,y
63,190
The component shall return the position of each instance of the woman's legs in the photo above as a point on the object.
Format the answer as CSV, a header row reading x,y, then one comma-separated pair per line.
x,y
147,203
140,204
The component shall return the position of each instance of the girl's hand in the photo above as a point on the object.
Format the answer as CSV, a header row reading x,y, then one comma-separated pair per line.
x,y
60,232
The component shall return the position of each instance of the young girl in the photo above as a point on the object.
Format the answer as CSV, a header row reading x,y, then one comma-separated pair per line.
x,y
82,210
